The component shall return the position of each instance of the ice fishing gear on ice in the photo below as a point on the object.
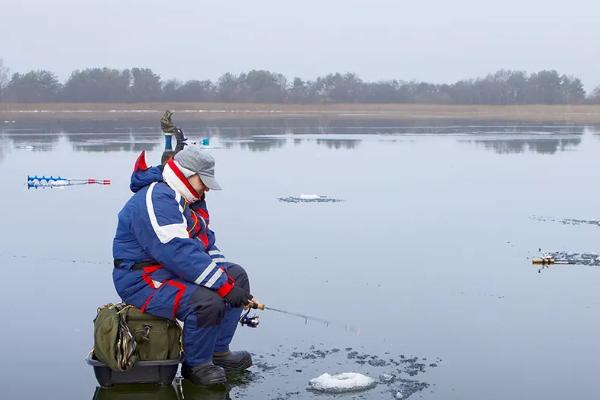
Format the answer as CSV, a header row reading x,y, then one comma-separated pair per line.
x,y
35,182
124,335
114,343
549,260
546,260
134,347
562,258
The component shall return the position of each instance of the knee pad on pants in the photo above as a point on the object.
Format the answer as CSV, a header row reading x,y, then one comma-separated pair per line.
x,y
208,307
239,275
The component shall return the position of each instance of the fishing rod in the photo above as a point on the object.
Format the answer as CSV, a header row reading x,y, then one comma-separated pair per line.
x,y
34,181
253,321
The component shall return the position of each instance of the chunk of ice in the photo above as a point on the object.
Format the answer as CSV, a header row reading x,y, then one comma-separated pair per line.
x,y
309,196
340,383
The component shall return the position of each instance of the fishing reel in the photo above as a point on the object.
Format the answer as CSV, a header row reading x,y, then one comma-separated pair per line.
x,y
251,321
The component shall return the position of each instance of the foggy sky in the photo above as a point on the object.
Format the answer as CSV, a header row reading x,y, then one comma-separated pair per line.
x,y
435,41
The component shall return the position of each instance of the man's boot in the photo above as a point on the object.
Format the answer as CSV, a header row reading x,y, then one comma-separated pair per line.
x,y
205,374
233,361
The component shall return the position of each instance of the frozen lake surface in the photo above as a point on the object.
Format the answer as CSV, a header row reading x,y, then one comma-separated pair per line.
x,y
428,255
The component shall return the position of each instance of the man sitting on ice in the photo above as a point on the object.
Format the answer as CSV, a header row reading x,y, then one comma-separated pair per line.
x,y
167,264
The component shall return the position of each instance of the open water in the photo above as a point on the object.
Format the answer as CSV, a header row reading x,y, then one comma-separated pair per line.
x,y
427,256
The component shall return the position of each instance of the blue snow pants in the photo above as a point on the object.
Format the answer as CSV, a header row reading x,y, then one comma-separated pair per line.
x,y
209,322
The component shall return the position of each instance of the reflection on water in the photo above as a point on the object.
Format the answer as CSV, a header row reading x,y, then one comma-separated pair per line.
x,y
260,135
257,144
135,142
35,142
5,147
96,142
347,144
136,392
189,391
537,145
180,390
265,135
542,140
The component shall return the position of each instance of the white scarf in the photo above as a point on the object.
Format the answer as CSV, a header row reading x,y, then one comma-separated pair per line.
x,y
174,176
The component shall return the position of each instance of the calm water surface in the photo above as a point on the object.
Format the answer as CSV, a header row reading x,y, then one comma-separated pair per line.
x,y
427,255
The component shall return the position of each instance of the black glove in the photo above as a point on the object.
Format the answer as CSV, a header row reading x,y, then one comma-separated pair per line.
x,y
181,140
238,297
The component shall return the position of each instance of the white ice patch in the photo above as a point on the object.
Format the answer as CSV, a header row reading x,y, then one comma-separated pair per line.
x,y
340,383
310,196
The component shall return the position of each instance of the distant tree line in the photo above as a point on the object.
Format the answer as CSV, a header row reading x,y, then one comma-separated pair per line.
x,y
258,86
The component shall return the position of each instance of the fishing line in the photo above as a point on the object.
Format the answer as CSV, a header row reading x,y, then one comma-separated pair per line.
x,y
252,321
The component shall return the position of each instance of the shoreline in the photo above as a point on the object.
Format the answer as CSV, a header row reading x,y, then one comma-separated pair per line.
x,y
193,112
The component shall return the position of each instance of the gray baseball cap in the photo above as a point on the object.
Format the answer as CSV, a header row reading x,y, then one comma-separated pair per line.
x,y
194,160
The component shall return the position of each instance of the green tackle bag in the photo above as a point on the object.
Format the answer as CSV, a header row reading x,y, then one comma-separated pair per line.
x,y
123,335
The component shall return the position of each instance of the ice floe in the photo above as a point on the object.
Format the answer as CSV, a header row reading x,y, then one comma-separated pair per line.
x,y
340,383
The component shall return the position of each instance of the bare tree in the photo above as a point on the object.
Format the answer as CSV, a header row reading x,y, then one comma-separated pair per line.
x,y
142,84
33,87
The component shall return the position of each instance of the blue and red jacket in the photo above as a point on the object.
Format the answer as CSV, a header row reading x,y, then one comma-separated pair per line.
x,y
166,223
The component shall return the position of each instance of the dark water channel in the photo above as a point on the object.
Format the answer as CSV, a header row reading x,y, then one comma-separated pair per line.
x,y
427,255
